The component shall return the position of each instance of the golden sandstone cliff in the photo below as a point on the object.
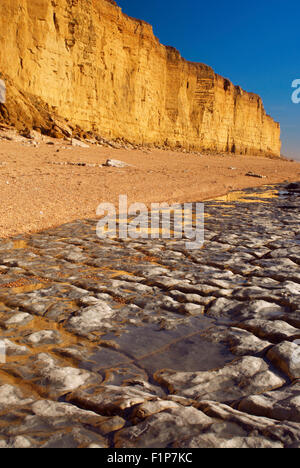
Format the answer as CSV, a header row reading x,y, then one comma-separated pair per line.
x,y
87,62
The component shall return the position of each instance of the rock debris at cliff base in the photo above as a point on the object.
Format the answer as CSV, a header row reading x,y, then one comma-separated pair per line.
x,y
144,344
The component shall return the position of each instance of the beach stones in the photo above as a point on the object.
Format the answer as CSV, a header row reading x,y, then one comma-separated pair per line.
x,y
78,143
115,163
257,176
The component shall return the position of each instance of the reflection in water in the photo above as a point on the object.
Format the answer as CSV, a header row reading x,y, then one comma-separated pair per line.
x,y
170,219
19,244
244,197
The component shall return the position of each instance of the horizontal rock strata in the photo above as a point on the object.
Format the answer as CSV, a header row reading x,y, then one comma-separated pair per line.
x,y
91,64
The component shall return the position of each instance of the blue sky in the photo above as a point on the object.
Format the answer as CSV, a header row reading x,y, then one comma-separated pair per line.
x,y
255,44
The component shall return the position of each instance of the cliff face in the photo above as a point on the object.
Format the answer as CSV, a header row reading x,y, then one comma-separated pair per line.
x,y
106,72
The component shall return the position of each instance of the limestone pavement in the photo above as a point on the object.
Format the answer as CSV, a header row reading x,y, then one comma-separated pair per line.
x,y
142,343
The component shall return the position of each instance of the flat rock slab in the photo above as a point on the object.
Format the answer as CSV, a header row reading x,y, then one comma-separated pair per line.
x,y
274,331
283,404
262,431
162,429
286,357
243,376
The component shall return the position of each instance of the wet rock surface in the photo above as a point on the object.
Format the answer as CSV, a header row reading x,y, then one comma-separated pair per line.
x,y
143,343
